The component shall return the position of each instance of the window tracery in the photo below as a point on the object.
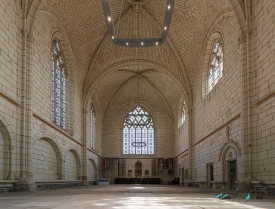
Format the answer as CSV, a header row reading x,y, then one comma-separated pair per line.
x,y
138,132
58,85
216,65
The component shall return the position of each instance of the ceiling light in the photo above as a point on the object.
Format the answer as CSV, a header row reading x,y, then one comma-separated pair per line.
x,y
138,40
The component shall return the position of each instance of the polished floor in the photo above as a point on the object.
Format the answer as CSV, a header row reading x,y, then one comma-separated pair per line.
x,y
130,197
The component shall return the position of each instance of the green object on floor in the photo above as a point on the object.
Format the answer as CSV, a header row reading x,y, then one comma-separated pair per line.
x,y
247,197
219,195
224,196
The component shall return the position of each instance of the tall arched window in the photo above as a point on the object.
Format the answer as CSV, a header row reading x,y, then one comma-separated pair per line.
x,y
138,132
183,113
216,65
58,85
92,127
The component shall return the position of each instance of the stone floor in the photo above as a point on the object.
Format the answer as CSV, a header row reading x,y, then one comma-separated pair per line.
x,y
130,197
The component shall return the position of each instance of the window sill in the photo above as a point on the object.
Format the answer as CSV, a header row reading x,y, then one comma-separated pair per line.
x,y
138,155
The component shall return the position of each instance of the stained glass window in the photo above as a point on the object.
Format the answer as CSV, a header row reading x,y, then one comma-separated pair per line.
x,y
138,132
92,127
58,86
216,65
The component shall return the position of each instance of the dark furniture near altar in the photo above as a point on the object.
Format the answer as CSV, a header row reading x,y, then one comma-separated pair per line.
x,y
176,181
137,180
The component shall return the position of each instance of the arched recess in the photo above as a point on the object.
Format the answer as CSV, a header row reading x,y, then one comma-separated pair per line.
x,y
7,145
226,147
69,77
95,107
72,165
92,171
57,31
60,32
230,153
205,53
46,160
216,35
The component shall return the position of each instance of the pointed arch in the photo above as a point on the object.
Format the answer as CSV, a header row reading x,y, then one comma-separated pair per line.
x,y
73,168
92,171
55,155
226,147
8,151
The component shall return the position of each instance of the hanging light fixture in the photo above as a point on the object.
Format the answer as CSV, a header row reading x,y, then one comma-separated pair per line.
x,y
138,42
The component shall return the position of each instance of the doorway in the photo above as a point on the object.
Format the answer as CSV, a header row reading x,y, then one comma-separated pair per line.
x,y
210,175
232,174
182,176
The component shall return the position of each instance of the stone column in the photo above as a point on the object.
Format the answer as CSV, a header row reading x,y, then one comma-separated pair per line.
x,y
26,181
245,176
247,110
190,145
84,177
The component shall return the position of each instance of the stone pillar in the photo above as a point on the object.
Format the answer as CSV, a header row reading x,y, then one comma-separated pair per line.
x,y
244,183
245,176
190,145
84,177
26,181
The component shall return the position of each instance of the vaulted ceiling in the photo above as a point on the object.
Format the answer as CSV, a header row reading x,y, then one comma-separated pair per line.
x,y
168,71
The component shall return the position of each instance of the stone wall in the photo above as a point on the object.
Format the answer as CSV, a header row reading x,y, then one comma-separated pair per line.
x,y
214,132
10,81
71,166
53,153
263,89
45,162
217,113
2,161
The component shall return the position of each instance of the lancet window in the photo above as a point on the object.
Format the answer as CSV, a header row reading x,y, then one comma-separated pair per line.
x,y
58,85
216,65
92,127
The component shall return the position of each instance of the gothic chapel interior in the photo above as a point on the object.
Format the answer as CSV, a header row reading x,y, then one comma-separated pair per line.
x,y
77,108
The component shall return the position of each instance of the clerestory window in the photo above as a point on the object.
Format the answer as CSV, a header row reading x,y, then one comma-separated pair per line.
x,y
138,132
216,65
58,85
182,114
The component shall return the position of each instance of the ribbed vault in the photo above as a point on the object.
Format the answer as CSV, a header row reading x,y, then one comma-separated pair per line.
x,y
175,64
